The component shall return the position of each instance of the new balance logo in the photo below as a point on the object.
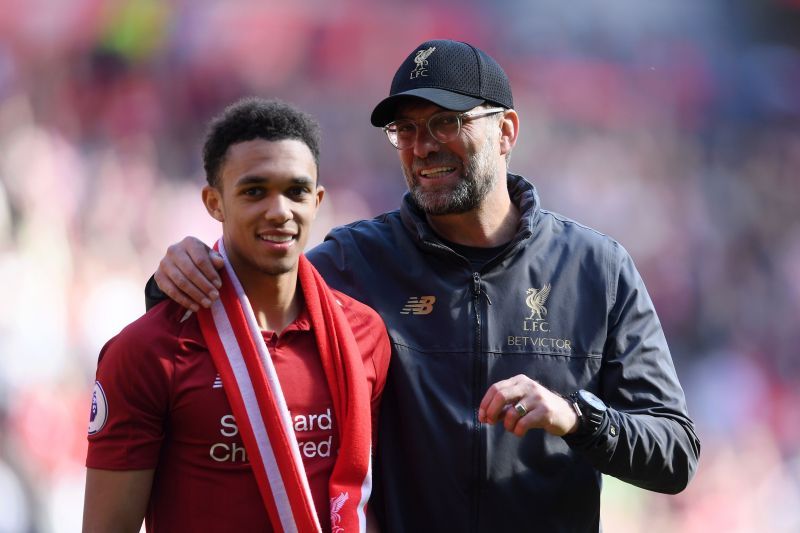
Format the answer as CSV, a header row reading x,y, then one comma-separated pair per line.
x,y
422,305
217,383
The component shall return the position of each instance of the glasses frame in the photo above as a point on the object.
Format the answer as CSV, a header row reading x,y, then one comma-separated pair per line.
x,y
460,117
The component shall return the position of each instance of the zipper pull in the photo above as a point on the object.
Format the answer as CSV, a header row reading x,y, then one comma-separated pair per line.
x,y
476,287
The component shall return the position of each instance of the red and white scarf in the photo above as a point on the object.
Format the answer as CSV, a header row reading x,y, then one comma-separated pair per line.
x,y
254,392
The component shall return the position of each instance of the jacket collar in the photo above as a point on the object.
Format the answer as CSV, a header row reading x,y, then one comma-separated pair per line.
x,y
522,192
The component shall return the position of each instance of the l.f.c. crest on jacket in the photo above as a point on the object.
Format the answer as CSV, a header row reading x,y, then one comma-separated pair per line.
x,y
562,304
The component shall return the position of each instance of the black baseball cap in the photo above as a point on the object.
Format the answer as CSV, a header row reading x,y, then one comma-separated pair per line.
x,y
451,74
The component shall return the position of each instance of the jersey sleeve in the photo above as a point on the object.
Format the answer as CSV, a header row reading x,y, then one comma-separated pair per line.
x,y
373,342
130,401
380,355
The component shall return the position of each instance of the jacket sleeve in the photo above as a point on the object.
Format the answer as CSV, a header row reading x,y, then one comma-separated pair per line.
x,y
647,439
152,294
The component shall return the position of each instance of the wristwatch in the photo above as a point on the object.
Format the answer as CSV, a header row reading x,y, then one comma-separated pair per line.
x,y
590,410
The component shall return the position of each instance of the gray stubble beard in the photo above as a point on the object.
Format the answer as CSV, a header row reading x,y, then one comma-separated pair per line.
x,y
466,195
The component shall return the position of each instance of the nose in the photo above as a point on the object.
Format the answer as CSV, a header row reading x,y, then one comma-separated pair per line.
x,y
278,209
425,143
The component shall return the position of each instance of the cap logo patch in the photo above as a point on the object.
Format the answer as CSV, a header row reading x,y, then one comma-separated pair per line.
x,y
421,59
99,413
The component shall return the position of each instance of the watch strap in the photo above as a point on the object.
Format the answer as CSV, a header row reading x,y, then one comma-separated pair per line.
x,y
590,419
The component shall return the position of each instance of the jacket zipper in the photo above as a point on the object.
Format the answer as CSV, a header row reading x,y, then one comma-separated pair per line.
x,y
476,384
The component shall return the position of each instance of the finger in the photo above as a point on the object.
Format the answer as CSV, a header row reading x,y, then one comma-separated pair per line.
x,y
485,401
192,280
216,259
486,411
510,420
202,271
193,261
509,394
489,397
491,407
174,293
180,284
513,415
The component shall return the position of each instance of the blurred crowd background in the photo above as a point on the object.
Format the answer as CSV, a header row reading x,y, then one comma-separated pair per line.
x,y
672,126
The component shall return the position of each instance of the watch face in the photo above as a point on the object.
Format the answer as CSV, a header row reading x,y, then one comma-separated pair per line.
x,y
593,401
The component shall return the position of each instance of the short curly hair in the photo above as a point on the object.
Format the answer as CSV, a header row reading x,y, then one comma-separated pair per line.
x,y
256,118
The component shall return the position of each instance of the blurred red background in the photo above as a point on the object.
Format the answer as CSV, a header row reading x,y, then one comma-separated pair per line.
x,y
674,127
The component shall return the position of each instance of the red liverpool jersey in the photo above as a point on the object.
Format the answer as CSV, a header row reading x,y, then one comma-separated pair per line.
x,y
159,403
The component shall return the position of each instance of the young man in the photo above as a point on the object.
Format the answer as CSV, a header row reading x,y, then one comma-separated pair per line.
x,y
528,357
256,414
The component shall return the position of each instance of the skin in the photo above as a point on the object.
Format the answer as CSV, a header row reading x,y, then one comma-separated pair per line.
x,y
546,409
267,189
187,273
115,501
477,156
446,181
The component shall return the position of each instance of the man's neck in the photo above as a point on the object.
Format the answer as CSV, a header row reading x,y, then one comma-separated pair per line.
x,y
276,300
492,223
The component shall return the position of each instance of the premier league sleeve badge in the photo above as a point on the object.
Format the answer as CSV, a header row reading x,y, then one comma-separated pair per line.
x,y
99,413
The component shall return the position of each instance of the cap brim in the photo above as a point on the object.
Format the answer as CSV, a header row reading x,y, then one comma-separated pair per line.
x,y
385,110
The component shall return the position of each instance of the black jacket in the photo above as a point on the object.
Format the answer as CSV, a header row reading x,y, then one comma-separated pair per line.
x,y
454,332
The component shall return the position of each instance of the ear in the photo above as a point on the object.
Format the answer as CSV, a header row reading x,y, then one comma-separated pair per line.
x,y
509,129
320,193
212,198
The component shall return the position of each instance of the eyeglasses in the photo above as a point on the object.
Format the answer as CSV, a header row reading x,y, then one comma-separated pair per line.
x,y
444,126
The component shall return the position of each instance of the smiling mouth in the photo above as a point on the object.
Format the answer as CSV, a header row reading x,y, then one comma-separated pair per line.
x,y
280,239
436,172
